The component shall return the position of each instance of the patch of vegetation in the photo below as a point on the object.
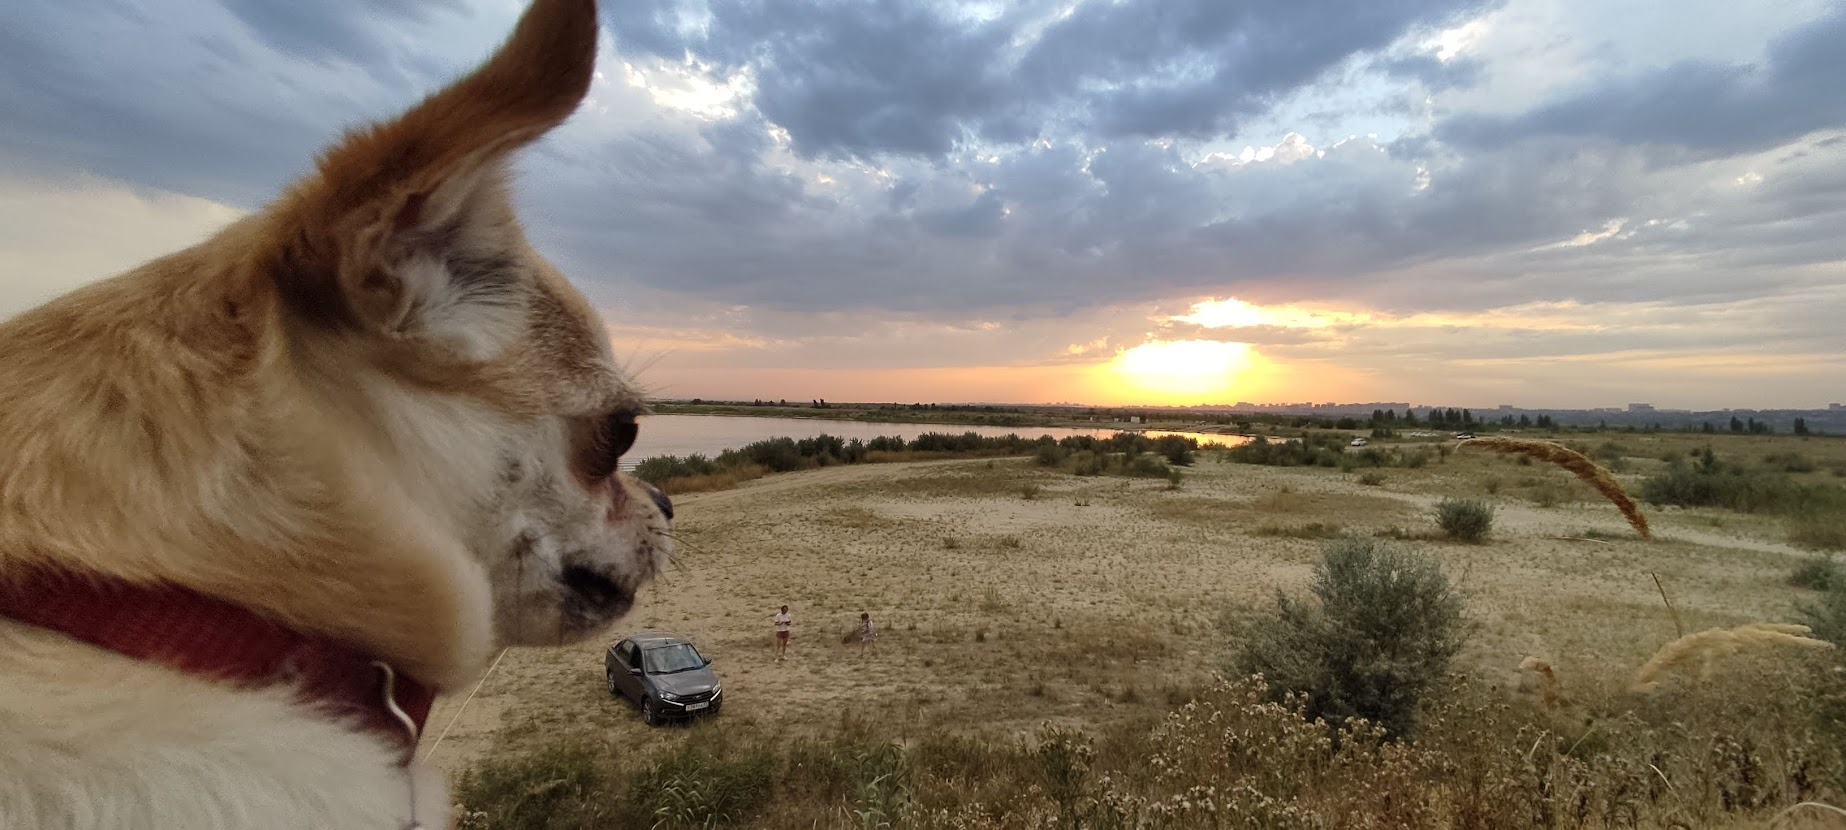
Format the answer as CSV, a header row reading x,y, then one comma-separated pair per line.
x,y
1372,478
1789,462
1820,573
1311,530
1380,633
1706,481
1821,529
1322,450
1827,616
562,786
1816,513
1307,451
1125,453
1466,520
1546,494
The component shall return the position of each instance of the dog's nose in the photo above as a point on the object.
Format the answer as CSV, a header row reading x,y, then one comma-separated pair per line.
x,y
660,499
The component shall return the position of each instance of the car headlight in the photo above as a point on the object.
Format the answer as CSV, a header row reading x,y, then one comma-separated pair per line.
x,y
716,689
669,696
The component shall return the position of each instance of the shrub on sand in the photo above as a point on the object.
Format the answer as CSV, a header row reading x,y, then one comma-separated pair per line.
x,y
1386,624
1819,573
1465,519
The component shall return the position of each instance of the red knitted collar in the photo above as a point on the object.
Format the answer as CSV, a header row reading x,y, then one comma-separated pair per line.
x,y
210,637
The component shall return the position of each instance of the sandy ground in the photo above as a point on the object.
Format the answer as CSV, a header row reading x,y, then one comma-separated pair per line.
x,y
1096,597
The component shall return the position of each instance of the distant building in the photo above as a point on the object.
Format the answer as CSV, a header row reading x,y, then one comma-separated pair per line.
x,y
1640,407
1835,407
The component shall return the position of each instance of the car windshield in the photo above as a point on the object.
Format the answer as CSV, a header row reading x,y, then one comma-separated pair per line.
x,y
669,659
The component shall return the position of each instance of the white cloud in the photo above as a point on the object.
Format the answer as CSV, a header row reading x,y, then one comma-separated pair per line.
x,y
58,234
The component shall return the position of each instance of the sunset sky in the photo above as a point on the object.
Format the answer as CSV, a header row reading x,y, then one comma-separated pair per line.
x,y
1565,203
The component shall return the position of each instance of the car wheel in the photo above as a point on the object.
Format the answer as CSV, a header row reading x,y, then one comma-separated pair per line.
x,y
650,713
614,691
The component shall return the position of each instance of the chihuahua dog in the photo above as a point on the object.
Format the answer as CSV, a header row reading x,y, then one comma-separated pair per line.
x,y
262,498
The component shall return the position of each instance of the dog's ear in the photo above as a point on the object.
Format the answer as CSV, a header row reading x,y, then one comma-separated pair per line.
x,y
396,235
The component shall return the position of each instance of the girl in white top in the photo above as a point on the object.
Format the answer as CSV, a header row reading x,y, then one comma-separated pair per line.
x,y
783,623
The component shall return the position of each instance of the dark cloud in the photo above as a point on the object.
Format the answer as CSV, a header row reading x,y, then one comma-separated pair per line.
x,y
862,79
1057,228
338,30
876,199
1193,69
1708,108
78,94
228,103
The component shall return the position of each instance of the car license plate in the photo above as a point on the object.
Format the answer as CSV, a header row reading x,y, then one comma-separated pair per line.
x,y
694,707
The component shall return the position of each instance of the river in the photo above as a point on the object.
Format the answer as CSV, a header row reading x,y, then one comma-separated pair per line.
x,y
709,435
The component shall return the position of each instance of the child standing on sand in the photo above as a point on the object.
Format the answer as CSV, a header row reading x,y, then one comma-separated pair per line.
x,y
783,623
867,631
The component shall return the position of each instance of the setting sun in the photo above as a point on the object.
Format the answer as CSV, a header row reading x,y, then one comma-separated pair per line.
x,y
1181,371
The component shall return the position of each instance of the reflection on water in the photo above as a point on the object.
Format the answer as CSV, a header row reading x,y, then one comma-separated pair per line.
x,y
712,434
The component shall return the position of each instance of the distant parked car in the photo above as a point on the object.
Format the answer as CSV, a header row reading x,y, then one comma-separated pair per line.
x,y
1359,442
664,675
1464,435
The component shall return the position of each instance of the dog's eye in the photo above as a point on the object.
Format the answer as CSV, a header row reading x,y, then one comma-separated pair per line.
x,y
619,430
612,438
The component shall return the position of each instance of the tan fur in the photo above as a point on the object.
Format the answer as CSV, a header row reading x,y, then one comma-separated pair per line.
x,y
361,412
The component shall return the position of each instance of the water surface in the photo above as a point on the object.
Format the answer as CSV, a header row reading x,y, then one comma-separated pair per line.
x,y
709,435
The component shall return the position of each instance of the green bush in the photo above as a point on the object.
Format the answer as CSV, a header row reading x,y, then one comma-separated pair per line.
x,y
1789,462
1828,615
1465,519
1146,466
1307,451
1381,635
1820,573
658,469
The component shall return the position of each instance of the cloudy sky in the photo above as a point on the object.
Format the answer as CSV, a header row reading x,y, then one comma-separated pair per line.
x,y
1534,202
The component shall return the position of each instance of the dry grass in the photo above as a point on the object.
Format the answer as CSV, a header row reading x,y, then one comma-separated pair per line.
x,y
1707,646
1813,815
722,480
1578,464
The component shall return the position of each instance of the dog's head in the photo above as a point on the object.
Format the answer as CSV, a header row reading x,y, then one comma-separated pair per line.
x,y
414,300
370,410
